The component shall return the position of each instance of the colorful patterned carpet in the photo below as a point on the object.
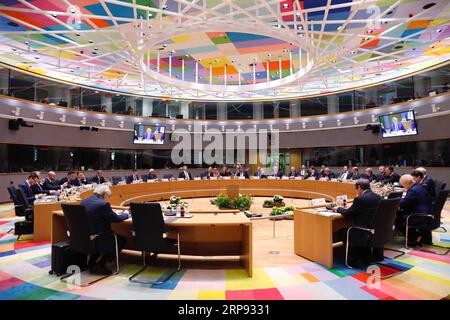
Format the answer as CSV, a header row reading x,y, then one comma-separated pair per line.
x,y
24,267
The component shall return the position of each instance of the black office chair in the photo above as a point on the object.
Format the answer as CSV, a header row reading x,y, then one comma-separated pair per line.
x,y
434,221
27,226
144,177
168,176
82,237
89,180
382,231
439,186
394,195
149,235
116,180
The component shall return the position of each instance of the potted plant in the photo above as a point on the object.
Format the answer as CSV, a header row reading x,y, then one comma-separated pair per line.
x,y
268,204
243,202
278,201
223,202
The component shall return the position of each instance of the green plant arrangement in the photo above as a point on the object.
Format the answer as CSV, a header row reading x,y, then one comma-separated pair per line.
x,y
278,201
268,204
282,211
242,202
174,200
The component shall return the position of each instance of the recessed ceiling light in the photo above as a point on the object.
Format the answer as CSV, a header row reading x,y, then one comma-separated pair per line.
x,y
429,5
91,41
439,30
285,5
164,45
340,27
77,34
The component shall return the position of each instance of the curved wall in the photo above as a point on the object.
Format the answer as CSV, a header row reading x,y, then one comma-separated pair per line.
x,y
433,119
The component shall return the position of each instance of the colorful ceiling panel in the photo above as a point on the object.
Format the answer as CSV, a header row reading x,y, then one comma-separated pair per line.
x,y
224,50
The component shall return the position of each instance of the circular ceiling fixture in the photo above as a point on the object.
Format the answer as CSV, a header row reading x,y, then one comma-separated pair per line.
x,y
236,50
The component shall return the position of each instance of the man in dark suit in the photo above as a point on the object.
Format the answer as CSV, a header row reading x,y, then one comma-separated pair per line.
x,y
416,200
66,182
293,173
327,174
428,183
79,180
345,175
396,126
225,172
27,185
391,176
361,212
368,174
242,173
134,177
259,172
98,179
312,173
50,183
303,172
152,175
207,174
185,174
355,173
381,174
101,216
38,188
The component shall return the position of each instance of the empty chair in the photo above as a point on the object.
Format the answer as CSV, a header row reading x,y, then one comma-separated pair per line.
x,y
116,180
382,229
168,176
22,208
394,195
434,220
82,237
439,186
89,180
150,235
144,177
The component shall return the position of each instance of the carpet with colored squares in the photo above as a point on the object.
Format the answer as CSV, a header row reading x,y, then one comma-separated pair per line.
x,y
24,267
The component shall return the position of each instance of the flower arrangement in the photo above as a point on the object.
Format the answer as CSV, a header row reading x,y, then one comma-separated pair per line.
x,y
268,204
177,201
242,202
282,211
380,189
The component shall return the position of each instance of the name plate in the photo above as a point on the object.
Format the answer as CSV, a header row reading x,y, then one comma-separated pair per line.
x,y
241,178
226,178
254,177
318,202
165,180
150,180
197,178
298,178
180,179
213,178
284,178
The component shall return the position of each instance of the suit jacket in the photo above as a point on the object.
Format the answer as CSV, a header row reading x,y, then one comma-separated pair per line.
x,y
302,173
64,180
98,180
313,174
102,215
38,188
329,176
293,174
356,176
130,179
28,192
370,178
75,182
152,176
380,177
244,174
51,185
362,209
416,200
400,127
348,175
430,186
394,177
182,175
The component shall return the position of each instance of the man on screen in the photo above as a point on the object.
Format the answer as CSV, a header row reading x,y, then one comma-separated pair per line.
x,y
149,135
397,126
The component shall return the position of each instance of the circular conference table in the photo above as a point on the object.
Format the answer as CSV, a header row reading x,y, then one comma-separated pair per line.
x,y
208,233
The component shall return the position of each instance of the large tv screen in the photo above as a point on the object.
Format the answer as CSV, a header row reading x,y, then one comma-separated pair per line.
x,y
398,124
148,134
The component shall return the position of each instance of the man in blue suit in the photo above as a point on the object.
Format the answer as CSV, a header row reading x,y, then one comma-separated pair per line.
x,y
27,186
396,126
101,214
361,212
416,200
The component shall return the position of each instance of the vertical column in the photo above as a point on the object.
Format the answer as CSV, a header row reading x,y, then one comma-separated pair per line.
x,y
221,111
56,93
276,109
258,110
184,109
420,86
107,101
130,102
332,104
294,108
147,107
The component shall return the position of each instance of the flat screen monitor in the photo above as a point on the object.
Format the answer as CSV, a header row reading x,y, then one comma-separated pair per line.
x,y
398,124
148,134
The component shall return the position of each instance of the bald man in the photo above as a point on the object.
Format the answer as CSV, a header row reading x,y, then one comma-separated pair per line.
x,y
418,201
50,183
428,183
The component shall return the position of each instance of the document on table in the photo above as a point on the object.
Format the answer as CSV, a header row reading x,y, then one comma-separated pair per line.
x,y
327,213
